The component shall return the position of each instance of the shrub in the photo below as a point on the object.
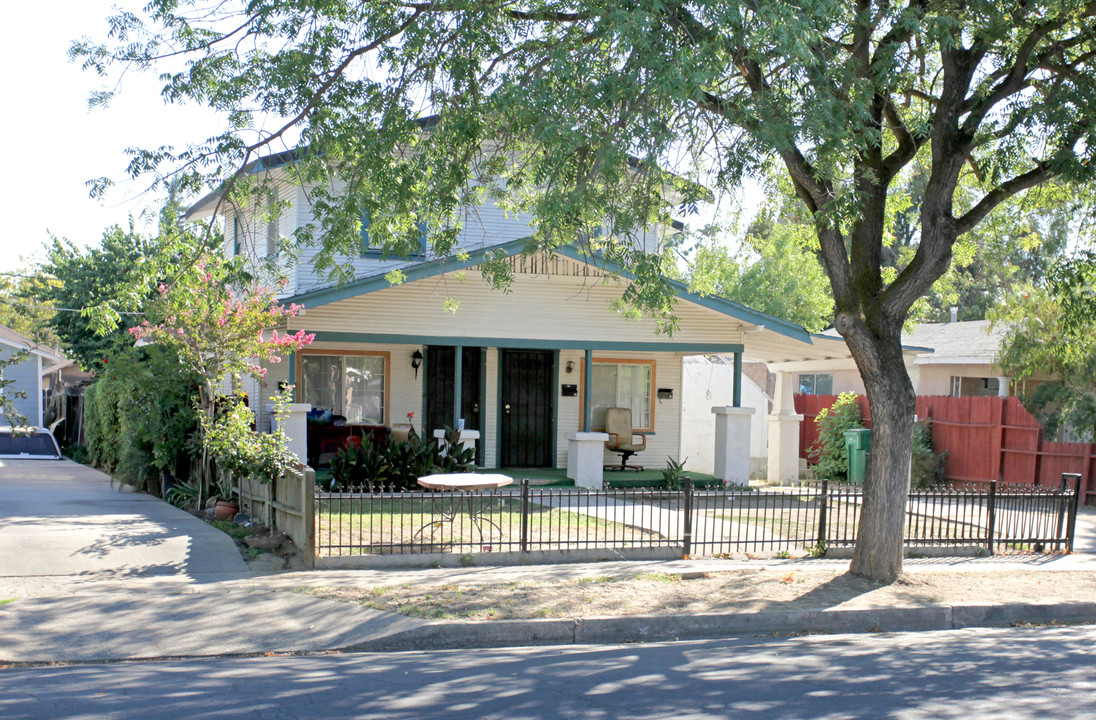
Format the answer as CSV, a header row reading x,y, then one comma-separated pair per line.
x,y
828,451
401,464
926,465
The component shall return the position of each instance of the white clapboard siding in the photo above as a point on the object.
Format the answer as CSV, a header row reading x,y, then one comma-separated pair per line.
x,y
536,308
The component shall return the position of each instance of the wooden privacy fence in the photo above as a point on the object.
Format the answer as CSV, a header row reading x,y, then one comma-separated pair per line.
x,y
986,438
287,504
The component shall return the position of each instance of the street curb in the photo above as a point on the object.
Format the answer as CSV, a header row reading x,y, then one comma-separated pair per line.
x,y
661,628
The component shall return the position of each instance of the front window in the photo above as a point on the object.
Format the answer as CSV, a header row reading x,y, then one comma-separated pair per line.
x,y
624,384
351,385
816,384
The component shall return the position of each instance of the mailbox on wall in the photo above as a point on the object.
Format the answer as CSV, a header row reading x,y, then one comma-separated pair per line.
x,y
665,393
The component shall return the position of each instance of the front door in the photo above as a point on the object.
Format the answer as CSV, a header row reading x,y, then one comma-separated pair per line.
x,y
525,408
439,390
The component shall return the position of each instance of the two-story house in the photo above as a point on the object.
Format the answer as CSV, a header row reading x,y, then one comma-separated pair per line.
x,y
530,372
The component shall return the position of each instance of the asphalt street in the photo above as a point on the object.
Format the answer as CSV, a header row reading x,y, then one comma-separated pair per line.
x,y
1022,673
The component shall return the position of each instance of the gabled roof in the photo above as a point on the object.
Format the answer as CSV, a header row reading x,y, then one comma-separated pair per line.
x,y
970,341
421,270
276,160
20,342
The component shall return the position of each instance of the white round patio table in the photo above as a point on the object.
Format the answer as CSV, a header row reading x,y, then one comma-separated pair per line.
x,y
447,507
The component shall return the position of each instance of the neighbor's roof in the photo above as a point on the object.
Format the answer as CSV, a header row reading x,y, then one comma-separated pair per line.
x,y
21,342
971,341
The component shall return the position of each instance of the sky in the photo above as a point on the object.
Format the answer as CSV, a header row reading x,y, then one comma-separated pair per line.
x,y
55,144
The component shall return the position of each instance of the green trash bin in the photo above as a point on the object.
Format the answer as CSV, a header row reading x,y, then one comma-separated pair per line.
x,y
857,442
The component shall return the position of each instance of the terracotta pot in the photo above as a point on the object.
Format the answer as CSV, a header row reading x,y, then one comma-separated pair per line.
x,y
225,510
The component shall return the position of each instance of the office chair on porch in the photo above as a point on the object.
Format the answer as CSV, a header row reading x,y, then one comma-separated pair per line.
x,y
622,438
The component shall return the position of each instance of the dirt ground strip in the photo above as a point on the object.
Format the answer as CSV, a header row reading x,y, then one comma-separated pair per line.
x,y
714,592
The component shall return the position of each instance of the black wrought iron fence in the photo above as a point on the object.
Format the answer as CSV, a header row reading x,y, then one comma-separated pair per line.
x,y
810,518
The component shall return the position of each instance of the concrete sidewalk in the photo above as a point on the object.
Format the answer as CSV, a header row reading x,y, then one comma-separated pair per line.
x,y
90,574
107,617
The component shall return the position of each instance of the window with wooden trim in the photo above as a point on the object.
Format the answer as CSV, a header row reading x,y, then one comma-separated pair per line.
x,y
352,385
625,384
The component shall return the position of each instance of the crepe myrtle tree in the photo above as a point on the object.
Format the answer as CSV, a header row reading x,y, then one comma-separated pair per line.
x,y
218,333
600,114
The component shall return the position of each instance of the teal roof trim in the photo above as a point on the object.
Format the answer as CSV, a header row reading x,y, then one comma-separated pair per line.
x,y
416,271
718,304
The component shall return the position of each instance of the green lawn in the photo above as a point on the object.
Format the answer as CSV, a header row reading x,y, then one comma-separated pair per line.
x,y
364,525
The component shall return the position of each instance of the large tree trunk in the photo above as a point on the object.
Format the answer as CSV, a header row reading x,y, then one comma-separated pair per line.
x,y
879,545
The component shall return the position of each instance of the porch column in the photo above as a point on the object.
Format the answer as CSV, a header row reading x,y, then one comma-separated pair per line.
x,y
586,458
784,432
732,444
1002,386
458,376
468,439
588,390
736,399
294,423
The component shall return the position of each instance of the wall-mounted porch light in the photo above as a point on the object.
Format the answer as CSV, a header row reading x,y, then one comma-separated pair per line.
x,y
416,361
570,367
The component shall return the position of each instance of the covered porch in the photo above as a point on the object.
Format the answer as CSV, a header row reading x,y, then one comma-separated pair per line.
x,y
527,374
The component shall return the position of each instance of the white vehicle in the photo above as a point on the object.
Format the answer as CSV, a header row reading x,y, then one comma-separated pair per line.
x,y
28,444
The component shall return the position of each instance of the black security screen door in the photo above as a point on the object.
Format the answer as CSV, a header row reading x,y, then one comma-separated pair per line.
x,y
439,390
525,408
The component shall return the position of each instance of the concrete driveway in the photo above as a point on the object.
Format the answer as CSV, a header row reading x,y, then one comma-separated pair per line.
x,y
59,518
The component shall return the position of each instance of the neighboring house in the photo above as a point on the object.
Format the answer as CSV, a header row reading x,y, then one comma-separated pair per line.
x,y
530,372
952,358
38,375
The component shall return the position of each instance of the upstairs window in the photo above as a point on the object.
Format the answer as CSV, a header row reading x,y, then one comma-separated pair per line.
x,y
272,223
237,235
367,249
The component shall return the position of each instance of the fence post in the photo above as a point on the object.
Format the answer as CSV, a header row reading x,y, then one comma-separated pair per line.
x,y
992,509
687,540
524,515
822,510
1071,525
308,512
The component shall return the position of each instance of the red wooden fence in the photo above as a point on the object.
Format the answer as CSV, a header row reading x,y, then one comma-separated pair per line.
x,y
986,438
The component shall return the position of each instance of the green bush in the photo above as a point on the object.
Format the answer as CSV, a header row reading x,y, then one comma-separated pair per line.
x,y
926,465
399,465
139,419
828,451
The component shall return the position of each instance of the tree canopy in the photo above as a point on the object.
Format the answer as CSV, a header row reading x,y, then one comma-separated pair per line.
x,y
1050,345
578,113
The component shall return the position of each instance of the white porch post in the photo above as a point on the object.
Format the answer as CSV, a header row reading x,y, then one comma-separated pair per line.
x,y
1002,386
294,423
784,432
732,444
586,458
